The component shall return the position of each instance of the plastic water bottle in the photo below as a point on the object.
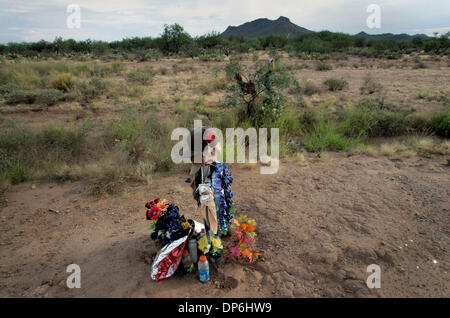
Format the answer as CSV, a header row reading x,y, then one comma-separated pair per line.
x,y
193,250
187,262
203,269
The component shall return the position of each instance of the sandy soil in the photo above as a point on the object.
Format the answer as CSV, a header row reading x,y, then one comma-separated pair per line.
x,y
319,227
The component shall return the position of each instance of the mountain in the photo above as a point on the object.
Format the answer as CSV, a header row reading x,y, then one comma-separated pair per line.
x,y
265,27
397,37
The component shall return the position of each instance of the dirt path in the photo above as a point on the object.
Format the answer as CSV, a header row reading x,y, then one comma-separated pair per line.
x,y
319,227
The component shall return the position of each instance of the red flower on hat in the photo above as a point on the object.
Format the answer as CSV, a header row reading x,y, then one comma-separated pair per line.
x,y
209,137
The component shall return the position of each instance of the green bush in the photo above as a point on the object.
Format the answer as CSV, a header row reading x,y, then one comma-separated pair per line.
x,y
440,123
92,89
257,94
142,138
25,153
323,66
325,136
335,84
48,96
5,89
20,96
308,120
62,144
369,119
143,77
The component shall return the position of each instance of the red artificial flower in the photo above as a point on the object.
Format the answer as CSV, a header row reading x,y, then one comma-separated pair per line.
x,y
209,137
154,213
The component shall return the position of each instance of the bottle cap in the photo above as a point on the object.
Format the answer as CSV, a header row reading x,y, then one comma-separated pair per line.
x,y
185,253
203,258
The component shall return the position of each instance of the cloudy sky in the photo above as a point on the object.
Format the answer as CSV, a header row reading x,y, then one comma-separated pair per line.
x,y
32,20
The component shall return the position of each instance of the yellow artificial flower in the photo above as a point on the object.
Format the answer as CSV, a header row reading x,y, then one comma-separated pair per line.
x,y
185,225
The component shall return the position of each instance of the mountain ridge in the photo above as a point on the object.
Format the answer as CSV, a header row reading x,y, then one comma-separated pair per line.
x,y
263,27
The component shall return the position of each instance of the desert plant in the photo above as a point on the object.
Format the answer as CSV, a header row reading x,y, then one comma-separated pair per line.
x,y
370,86
20,96
143,77
92,89
335,84
440,123
309,88
258,94
62,82
323,66
48,96
325,136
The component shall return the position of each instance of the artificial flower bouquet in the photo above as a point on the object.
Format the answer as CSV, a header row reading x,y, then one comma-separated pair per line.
x,y
168,226
245,236
210,245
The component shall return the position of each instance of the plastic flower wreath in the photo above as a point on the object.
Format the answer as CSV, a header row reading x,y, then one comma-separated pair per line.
x,y
168,225
245,236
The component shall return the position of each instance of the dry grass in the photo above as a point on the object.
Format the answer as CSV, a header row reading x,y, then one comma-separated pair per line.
x,y
391,149
301,160
363,149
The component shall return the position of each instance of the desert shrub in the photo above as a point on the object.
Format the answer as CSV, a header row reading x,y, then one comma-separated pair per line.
x,y
369,119
419,65
5,89
92,89
143,77
309,88
289,123
106,179
440,123
227,119
62,144
163,70
62,82
323,66
215,56
24,153
117,67
257,94
417,123
370,86
335,84
142,138
20,96
308,120
48,96
387,124
325,136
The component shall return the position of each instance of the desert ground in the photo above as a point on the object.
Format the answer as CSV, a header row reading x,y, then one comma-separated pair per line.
x,y
321,220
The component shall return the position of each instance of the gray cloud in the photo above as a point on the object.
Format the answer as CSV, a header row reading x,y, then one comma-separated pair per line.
x,y
25,20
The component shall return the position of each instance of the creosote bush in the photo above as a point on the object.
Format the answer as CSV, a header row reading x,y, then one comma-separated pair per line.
x,y
335,84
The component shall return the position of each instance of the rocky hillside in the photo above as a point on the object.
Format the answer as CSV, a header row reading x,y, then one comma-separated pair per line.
x,y
265,27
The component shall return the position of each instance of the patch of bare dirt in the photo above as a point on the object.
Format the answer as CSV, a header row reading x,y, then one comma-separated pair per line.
x,y
319,227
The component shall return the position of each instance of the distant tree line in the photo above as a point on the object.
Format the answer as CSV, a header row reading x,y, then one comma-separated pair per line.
x,y
175,41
